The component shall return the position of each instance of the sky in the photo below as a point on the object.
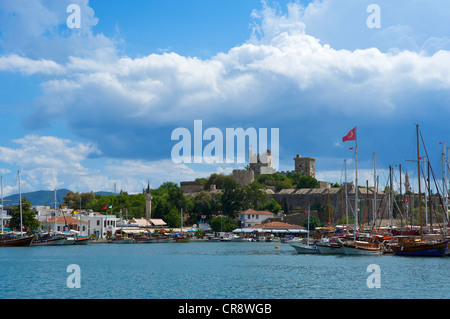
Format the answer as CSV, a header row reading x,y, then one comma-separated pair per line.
x,y
90,96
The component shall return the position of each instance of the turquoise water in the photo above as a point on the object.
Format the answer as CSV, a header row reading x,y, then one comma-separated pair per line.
x,y
214,270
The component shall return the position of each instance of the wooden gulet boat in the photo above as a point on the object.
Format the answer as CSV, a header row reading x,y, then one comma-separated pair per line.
x,y
361,247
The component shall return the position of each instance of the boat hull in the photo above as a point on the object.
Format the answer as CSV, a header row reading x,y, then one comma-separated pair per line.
x,y
69,241
428,249
82,241
329,249
305,249
16,242
49,242
349,250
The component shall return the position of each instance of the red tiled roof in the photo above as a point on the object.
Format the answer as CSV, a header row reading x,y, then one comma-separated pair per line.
x,y
255,212
62,220
277,225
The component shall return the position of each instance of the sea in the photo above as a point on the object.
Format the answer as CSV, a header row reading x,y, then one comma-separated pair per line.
x,y
214,270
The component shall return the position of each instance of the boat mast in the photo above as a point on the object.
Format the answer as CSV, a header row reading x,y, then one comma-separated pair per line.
x,y
2,201
309,207
20,205
356,183
444,190
374,189
345,189
418,179
55,212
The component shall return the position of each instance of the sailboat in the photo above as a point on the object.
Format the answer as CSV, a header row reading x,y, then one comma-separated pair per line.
x,y
10,239
413,246
305,248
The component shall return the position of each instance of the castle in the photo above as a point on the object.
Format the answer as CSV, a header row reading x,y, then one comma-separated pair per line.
x,y
299,200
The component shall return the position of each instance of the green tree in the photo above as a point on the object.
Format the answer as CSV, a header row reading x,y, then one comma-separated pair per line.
x,y
223,223
307,182
271,206
254,195
313,223
29,220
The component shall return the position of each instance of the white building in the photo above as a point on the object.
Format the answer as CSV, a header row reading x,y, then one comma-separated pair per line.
x,y
86,223
100,225
64,224
252,217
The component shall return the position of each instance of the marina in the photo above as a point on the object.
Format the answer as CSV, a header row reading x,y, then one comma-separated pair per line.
x,y
214,270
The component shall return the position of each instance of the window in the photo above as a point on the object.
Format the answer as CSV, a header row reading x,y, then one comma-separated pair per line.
x,y
257,217
98,223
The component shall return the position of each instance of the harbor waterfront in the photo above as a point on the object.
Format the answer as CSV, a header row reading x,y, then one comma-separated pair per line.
x,y
214,270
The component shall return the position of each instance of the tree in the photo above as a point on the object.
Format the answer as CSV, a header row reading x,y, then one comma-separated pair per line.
x,y
233,198
313,223
307,182
223,223
254,195
29,220
271,206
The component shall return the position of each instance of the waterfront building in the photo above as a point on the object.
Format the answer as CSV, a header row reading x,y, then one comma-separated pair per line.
x,y
64,224
252,217
100,225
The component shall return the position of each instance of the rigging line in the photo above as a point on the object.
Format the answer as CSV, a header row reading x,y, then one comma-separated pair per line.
x,y
432,173
429,197
381,205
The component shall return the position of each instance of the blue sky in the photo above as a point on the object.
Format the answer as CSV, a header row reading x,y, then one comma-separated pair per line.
x,y
92,107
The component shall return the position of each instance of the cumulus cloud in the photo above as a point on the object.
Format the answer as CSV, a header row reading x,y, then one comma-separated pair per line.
x,y
310,64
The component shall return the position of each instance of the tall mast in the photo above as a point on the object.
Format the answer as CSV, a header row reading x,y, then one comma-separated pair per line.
x,y
356,183
345,190
391,201
444,190
374,189
2,201
20,205
55,212
418,179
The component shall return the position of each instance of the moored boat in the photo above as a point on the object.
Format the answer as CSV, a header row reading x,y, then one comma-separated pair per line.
x,y
361,247
11,240
329,248
48,240
419,247
82,240
302,248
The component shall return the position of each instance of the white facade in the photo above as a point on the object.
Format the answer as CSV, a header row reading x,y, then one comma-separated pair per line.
x,y
252,217
86,224
100,225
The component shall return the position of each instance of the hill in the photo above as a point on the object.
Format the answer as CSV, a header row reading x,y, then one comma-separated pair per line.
x,y
43,197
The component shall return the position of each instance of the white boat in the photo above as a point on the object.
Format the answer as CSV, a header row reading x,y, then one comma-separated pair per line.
x,y
237,238
48,240
82,240
70,240
305,248
329,248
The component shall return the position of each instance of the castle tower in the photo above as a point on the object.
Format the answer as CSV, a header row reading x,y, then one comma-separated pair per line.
x,y
305,165
148,202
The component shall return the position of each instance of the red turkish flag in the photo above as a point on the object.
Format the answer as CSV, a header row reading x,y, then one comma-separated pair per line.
x,y
351,136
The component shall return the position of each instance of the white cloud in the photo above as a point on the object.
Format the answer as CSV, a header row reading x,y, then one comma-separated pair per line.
x,y
308,63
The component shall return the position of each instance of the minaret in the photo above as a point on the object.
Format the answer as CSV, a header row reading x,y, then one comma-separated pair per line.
x,y
407,185
148,203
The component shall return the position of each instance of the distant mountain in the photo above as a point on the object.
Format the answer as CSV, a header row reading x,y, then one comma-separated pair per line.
x,y
43,197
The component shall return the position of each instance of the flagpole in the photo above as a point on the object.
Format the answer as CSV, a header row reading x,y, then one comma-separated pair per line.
x,y
356,183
